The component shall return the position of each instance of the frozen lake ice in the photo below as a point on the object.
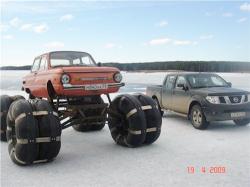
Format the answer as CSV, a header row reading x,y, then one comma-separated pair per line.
x,y
93,159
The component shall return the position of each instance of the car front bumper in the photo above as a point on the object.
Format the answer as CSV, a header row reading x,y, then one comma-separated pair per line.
x,y
225,112
83,87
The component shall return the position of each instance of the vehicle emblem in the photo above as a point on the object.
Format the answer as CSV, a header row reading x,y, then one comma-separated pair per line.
x,y
235,99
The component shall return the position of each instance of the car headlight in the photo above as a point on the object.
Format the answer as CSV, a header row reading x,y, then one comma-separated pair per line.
x,y
213,99
118,77
65,79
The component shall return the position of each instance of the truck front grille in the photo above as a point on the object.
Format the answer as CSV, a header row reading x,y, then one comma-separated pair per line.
x,y
237,99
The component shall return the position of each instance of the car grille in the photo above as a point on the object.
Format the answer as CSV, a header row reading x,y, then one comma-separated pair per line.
x,y
237,99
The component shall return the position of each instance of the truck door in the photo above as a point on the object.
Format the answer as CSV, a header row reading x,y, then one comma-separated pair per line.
x,y
167,91
180,96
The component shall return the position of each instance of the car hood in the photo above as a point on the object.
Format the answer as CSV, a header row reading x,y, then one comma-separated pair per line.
x,y
85,69
217,91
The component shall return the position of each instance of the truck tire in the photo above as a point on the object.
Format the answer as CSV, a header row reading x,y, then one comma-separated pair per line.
x,y
158,106
16,97
19,129
127,122
242,122
49,126
198,118
33,132
5,101
153,118
93,126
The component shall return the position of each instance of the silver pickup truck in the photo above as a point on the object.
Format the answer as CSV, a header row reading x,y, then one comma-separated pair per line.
x,y
202,97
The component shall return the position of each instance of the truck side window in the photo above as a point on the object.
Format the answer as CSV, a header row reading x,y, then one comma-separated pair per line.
x,y
36,64
43,63
180,80
170,81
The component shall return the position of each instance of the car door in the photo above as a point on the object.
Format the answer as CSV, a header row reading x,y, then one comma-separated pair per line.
x,y
30,80
181,95
167,91
41,77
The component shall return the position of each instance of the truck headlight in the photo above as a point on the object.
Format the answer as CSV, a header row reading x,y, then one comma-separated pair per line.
x,y
118,77
65,79
213,99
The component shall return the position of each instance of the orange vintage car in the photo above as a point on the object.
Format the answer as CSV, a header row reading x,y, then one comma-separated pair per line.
x,y
70,73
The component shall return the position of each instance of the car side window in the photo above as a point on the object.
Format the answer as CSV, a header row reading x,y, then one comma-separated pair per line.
x,y
170,81
36,64
180,81
43,63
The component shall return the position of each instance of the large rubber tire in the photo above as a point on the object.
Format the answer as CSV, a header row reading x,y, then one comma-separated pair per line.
x,y
23,132
153,118
86,127
49,126
198,118
5,101
242,122
23,128
16,97
127,128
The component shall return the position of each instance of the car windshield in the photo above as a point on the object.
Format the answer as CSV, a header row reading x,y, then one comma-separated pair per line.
x,y
206,81
70,58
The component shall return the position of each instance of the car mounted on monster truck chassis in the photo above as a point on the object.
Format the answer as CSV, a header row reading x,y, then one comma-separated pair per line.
x,y
65,89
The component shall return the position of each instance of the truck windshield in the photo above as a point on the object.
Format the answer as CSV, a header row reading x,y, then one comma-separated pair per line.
x,y
70,58
206,81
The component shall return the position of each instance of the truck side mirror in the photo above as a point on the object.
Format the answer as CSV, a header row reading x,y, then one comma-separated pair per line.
x,y
99,64
229,84
183,86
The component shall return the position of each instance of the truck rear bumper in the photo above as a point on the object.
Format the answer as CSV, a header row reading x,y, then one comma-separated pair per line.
x,y
226,112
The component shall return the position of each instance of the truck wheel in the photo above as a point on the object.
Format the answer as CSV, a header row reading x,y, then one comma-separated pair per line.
x,y
153,118
16,97
158,106
91,126
127,122
5,101
242,122
198,118
33,132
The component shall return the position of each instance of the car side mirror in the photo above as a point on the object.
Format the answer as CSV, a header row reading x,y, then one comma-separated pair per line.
x,y
99,64
229,84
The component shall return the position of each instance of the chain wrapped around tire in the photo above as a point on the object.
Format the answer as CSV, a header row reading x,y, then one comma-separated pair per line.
x,y
153,118
127,121
33,132
93,126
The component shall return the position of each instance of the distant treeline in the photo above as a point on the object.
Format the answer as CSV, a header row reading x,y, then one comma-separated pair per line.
x,y
15,68
203,66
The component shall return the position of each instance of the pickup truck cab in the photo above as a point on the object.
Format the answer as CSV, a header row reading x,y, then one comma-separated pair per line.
x,y
202,97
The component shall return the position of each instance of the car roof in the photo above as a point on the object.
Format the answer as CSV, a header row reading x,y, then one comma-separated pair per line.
x,y
191,73
59,51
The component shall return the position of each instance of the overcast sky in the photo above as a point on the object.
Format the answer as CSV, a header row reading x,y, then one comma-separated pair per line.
x,y
126,31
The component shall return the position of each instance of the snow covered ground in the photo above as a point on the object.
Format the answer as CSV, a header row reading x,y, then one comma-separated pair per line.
x,y
93,159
